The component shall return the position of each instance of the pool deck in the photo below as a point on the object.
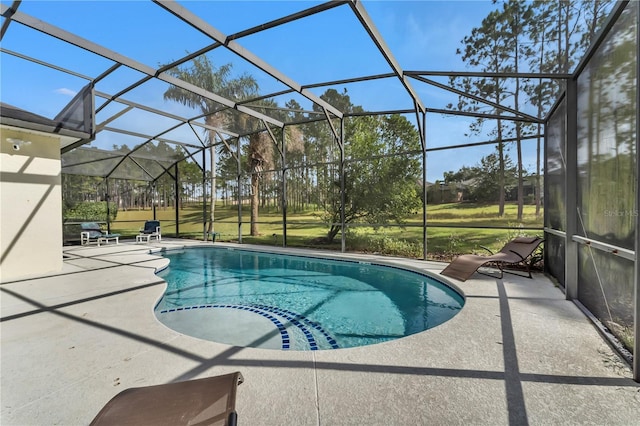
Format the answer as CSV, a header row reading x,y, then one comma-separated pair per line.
x,y
518,353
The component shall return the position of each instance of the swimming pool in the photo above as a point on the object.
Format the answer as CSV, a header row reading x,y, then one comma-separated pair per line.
x,y
276,301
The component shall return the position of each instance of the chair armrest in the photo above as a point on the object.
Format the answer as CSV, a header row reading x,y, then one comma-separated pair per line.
x,y
84,237
487,249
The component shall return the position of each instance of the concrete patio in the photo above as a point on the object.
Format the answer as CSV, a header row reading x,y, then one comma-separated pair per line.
x,y
518,353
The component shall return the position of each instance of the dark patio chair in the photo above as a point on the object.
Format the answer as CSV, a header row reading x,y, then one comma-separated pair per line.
x,y
515,252
150,230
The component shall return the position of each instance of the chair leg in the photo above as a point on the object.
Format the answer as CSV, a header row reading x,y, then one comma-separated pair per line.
x,y
499,266
503,271
528,275
492,276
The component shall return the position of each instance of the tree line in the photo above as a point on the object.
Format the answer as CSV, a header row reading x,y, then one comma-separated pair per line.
x,y
380,159
536,37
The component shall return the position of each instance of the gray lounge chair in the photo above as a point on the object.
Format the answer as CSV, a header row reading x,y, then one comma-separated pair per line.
x,y
516,251
209,401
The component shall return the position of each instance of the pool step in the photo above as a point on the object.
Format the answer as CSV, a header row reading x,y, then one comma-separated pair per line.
x,y
296,331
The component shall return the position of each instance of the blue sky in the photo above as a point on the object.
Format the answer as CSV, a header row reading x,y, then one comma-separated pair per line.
x,y
423,35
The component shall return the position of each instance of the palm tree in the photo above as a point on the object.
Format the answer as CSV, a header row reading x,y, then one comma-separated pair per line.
x,y
204,74
260,159
259,153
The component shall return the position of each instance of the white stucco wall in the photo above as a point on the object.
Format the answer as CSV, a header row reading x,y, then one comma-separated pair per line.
x,y
30,205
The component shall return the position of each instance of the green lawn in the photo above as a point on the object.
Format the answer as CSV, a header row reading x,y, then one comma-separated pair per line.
x,y
305,229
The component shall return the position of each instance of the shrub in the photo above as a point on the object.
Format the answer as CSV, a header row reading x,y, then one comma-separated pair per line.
x,y
383,244
91,210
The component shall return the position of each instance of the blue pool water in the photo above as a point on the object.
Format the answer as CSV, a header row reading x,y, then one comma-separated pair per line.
x,y
247,298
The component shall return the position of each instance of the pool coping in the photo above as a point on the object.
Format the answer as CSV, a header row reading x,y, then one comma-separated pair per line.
x,y
517,353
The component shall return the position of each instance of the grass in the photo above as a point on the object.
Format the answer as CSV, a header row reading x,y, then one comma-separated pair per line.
x,y
304,229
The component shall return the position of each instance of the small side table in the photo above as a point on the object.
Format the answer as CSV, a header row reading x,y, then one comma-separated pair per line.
x,y
106,239
143,238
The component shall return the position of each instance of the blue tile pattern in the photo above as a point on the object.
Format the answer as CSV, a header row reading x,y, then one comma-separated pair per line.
x,y
272,313
294,317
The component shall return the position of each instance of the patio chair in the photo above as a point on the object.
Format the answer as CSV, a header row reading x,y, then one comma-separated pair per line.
x,y
208,401
515,252
92,232
150,230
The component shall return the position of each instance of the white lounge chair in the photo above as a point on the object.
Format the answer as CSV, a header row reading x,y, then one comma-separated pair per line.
x,y
92,232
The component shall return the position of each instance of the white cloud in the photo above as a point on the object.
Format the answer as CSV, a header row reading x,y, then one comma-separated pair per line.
x,y
65,91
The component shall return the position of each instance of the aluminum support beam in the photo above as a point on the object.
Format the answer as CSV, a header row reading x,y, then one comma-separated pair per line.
x,y
367,23
224,142
204,196
613,17
95,48
350,80
337,136
107,196
153,199
46,64
176,200
285,200
114,117
143,169
97,160
490,142
218,130
104,74
216,98
545,211
289,18
132,104
477,98
636,290
239,180
571,194
483,115
607,248
490,74
150,137
343,237
423,139
198,23
77,41
110,155
416,74
7,14
275,142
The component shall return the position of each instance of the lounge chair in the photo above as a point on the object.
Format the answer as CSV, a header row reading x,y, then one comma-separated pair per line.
x,y
209,401
151,230
92,232
517,251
